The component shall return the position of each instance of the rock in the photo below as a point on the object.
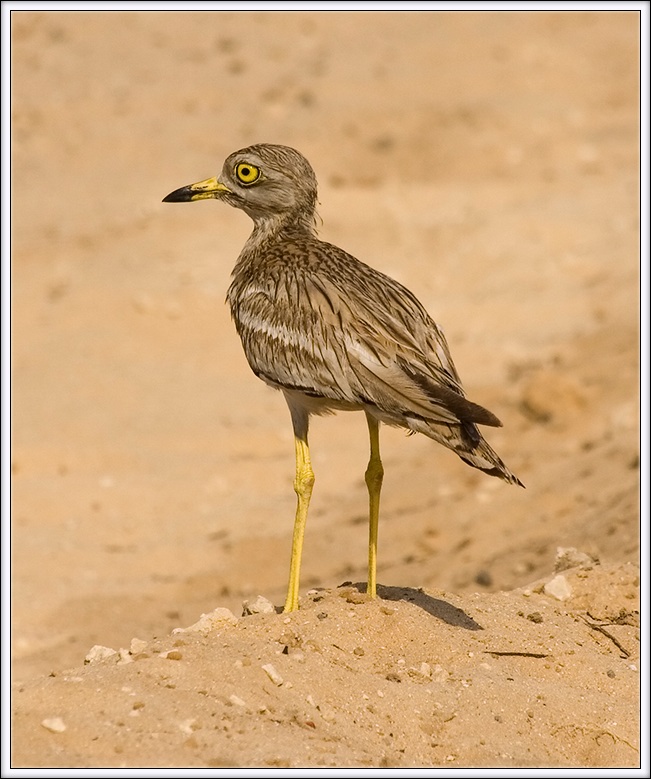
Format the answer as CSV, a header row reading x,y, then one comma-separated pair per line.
x,y
271,672
558,588
424,672
137,646
439,674
236,700
99,653
125,656
54,724
569,557
209,622
260,605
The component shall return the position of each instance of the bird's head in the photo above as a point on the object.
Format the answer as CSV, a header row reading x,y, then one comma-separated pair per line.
x,y
267,181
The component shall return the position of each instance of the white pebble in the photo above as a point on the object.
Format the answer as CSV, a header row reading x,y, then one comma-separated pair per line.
x,y
98,653
54,724
137,646
439,674
271,672
236,700
125,657
558,588
259,605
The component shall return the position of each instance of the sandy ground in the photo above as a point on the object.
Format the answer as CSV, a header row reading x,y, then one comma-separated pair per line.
x,y
487,161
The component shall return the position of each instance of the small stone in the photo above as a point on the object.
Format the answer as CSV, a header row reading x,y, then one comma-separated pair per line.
x,y
354,596
423,672
610,673
173,654
137,646
125,657
535,616
236,700
439,674
358,651
569,557
271,672
558,588
54,724
99,653
259,605
327,713
211,621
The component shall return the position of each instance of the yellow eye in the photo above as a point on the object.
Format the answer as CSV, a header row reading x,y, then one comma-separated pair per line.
x,y
247,173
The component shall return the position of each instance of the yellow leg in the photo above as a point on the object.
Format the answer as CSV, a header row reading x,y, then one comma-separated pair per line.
x,y
303,487
373,476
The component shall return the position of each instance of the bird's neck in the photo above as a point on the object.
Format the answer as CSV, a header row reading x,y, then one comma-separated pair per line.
x,y
279,226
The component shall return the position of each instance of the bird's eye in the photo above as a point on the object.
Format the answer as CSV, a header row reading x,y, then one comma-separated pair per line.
x,y
246,173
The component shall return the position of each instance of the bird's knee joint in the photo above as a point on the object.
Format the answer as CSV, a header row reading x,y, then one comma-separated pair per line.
x,y
304,482
374,474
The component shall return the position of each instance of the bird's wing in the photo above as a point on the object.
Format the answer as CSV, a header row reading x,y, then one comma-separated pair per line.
x,y
359,338
394,349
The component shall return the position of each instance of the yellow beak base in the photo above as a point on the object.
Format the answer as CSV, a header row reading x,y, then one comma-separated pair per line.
x,y
202,190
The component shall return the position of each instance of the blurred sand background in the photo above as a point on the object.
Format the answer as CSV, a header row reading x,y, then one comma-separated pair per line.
x,y
489,162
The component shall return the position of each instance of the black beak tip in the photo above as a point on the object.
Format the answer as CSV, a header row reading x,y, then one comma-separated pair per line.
x,y
182,195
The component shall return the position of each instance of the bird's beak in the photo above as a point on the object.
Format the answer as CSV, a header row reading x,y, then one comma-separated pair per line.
x,y
202,190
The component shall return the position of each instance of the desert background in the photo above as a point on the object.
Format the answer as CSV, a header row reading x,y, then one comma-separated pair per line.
x,y
489,162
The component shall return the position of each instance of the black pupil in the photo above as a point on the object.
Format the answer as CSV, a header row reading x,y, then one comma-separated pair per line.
x,y
246,171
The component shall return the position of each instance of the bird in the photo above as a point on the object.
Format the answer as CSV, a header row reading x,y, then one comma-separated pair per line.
x,y
334,334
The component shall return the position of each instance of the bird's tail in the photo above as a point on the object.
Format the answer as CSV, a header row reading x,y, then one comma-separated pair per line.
x,y
466,441
484,457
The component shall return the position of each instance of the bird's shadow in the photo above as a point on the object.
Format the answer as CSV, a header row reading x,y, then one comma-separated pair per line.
x,y
435,606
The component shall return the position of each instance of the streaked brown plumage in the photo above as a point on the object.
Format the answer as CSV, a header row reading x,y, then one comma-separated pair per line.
x,y
333,333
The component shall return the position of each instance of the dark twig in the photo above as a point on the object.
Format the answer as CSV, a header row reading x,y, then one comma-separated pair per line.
x,y
514,654
595,626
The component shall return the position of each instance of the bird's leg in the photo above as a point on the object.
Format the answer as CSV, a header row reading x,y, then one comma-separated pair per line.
x,y
373,476
303,484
